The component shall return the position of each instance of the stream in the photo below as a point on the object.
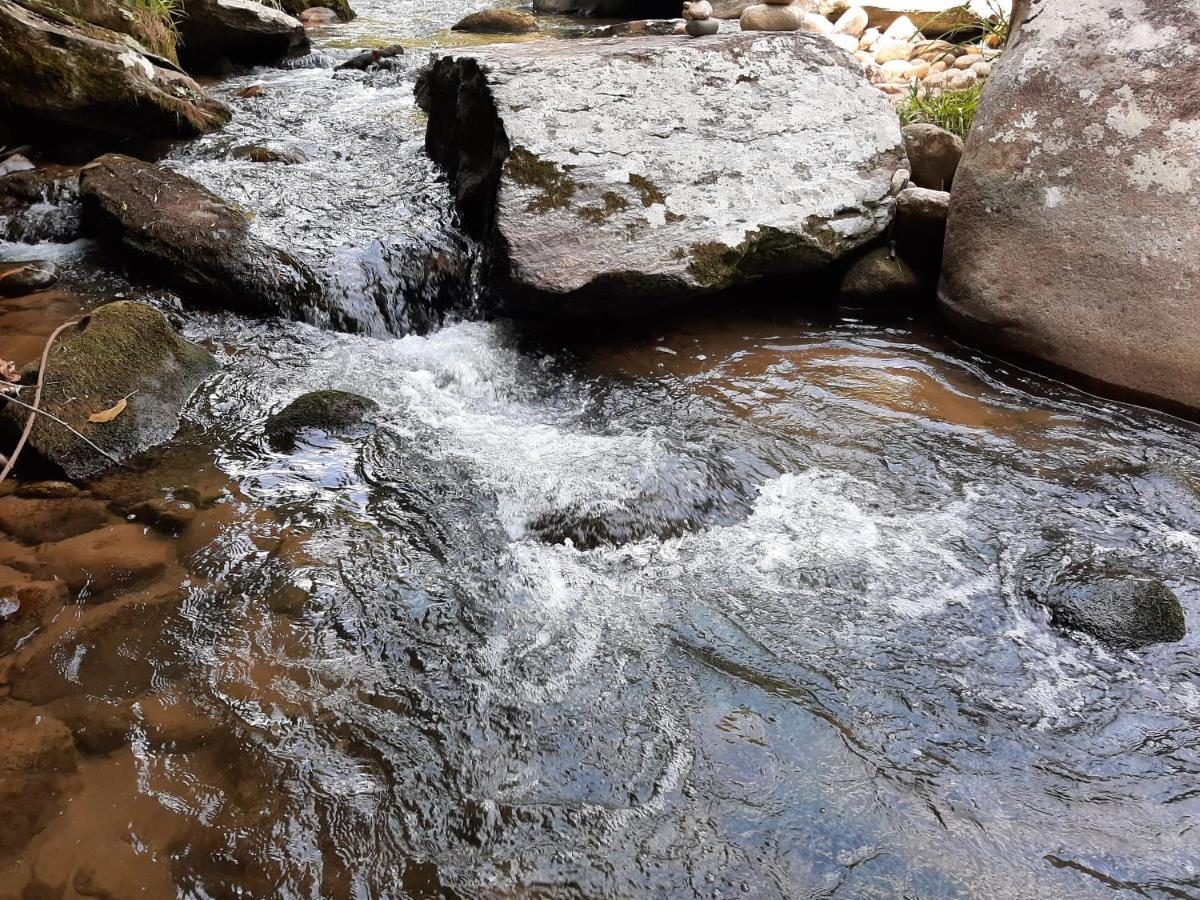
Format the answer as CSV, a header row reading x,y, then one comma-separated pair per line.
x,y
721,607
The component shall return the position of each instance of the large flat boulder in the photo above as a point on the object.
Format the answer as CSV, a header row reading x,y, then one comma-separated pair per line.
x,y
1074,234
242,31
122,351
60,72
609,173
187,237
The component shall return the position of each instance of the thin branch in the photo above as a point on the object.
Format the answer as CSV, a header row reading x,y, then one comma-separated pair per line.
x,y
37,400
54,418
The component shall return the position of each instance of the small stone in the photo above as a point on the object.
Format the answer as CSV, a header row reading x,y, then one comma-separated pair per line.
x,y
697,9
878,277
893,51
15,163
260,154
869,38
893,90
702,27
332,412
902,29
982,70
852,22
847,42
804,6
960,81
934,80
867,59
23,278
934,51
497,21
895,69
769,17
254,90
916,70
815,23
171,516
940,66
933,154
965,62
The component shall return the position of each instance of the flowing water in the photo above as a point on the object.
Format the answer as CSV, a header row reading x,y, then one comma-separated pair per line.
x,y
732,607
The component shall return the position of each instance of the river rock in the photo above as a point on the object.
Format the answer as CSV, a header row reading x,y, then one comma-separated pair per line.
x,y
697,172
37,771
39,205
881,277
702,27
341,8
190,239
640,28
1119,609
26,277
134,19
920,229
852,22
933,155
370,58
63,75
772,17
617,9
241,31
119,349
317,17
337,413
1073,234
497,21
935,17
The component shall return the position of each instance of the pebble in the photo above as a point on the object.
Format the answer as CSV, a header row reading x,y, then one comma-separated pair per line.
x,y
702,27
772,17
852,22
895,69
317,16
982,69
847,42
958,80
917,69
935,80
897,51
697,9
816,24
869,38
965,62
902,29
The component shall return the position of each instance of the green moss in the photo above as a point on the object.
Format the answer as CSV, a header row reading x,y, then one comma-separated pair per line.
x,y
647,190
712,262
612,203
762,252
334,412
530,170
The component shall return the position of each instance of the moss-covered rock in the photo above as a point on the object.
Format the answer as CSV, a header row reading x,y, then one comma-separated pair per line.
x,y
187,237
122,350
150,28
497,21
62,73
333,412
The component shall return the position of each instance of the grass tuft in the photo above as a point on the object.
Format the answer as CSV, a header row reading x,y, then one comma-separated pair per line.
x,y
952,110
157,21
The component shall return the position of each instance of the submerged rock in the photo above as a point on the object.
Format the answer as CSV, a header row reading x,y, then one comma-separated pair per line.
x,y
60,73
242,31
640,28
37,771
1073,234
333,412
497,21
122,350
190,239
370,58
696,171
1121,610
26,277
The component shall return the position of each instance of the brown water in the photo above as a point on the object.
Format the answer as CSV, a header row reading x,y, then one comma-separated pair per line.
x,y
731,607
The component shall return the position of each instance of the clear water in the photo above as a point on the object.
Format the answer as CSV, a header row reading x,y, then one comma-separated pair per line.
x,y
729,608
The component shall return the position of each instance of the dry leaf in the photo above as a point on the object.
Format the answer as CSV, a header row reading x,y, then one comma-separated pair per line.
x,y
109,414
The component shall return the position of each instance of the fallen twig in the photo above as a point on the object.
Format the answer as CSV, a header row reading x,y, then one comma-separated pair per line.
x,y
53,418
37,400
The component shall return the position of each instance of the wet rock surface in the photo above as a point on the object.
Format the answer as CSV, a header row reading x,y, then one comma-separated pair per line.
x,y
497,21
40,205
190,239
933,155
1085,173
881,277
728,181
1120,609
122,351
242,31
25,278
63,74
332,412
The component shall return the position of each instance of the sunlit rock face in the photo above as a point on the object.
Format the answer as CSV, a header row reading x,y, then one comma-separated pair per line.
x,y
614,171
1074,231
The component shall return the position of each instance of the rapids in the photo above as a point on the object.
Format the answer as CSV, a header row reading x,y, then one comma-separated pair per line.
x,y
729,607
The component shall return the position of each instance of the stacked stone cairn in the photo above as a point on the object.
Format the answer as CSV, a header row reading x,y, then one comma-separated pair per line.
x,y
896,58
700,22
